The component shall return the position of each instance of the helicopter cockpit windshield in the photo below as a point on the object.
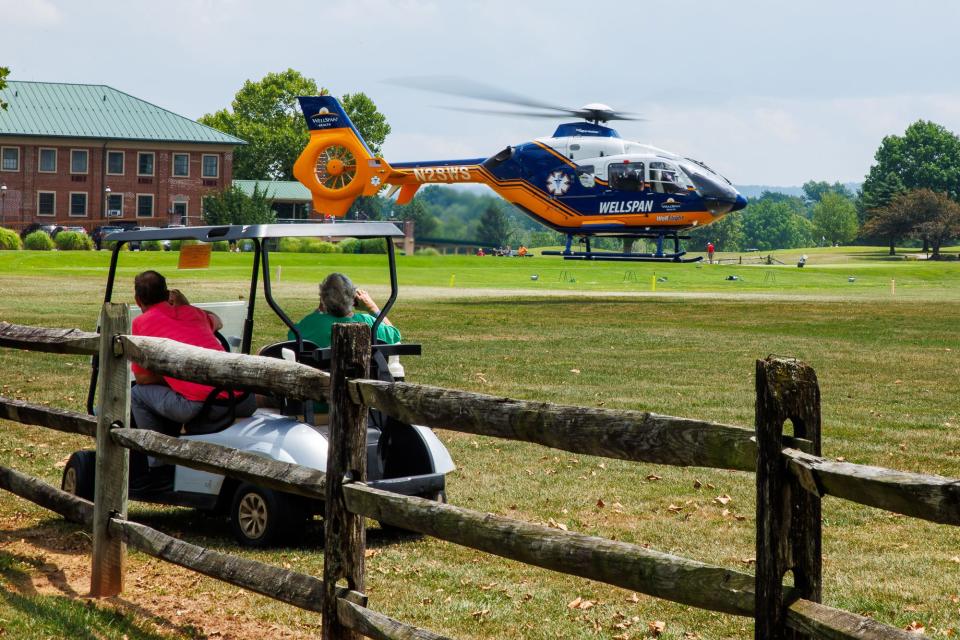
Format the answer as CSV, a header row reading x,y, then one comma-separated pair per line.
x,y
665,177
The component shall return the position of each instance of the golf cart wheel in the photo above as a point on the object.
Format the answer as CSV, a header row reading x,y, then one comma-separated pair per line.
x,y
79,473
261,517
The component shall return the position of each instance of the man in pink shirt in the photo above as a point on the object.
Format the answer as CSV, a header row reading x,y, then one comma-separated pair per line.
x,y
165,404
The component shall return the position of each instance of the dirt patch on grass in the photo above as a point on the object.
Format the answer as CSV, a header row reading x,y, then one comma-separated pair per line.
x,y
172,601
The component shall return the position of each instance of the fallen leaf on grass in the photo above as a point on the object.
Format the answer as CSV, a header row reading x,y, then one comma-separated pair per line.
x,y
724,499
574,370
656,627
633,598
916,627
653,477
480,613
580,603
553,524
600,503
674,508
697,484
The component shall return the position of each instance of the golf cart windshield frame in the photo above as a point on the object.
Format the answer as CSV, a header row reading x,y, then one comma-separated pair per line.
x,y
258,234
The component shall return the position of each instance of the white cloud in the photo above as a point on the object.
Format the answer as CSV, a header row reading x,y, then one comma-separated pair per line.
x,y
29,13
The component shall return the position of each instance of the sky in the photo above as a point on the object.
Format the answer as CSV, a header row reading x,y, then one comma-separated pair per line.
x,y
765,91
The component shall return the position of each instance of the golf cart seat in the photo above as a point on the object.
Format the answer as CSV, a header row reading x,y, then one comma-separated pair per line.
x,y
287,348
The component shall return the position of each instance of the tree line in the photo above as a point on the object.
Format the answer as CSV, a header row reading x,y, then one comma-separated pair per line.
x,y
910,194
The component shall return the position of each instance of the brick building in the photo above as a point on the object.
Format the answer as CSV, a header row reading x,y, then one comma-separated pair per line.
x,y
86,155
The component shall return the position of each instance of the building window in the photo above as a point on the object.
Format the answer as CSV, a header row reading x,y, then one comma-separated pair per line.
x,y
78,204
211,166
115,205
145,163
11,159
115,163
180,212
46,203
181,165
144,205
79,159
47,161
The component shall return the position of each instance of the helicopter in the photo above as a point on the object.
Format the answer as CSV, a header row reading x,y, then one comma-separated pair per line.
x,y
583,181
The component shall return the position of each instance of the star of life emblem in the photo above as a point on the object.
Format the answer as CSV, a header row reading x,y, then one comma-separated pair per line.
x,y
375,181
558,183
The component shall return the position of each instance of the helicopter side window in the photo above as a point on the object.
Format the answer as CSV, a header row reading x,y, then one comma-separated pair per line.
x,y
667,178
626,176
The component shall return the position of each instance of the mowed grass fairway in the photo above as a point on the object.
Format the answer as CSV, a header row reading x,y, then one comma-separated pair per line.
x,y
590,334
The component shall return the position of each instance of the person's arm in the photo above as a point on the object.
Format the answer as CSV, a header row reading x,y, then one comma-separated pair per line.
x,y
148,377
363,298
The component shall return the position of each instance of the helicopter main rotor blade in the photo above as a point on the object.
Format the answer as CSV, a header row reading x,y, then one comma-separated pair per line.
x,y
499,112
461,87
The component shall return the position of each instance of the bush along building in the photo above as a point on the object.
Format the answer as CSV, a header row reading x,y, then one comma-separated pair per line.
x,y
88,155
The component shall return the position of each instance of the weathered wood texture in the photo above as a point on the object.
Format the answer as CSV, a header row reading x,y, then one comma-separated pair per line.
x,y
18,336
50,417
294,588
628,435
344,532
820,621
373,624
254,373
617,563
924,496
215,458
39,492
788,518
112,467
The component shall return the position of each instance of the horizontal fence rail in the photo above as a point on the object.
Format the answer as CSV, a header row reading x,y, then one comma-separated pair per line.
x,y
618,563
924,496
215,458
18,336
49,497
627,435
820,621
294,588
373,624
220,369
49,417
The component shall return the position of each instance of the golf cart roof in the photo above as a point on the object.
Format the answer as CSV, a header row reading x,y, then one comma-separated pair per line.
x,y
260,231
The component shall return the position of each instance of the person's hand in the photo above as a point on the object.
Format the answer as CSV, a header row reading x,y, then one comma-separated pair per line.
x,y
363,298
177,298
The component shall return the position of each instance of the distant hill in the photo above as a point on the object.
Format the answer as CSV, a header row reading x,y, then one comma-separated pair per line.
x,y
756,190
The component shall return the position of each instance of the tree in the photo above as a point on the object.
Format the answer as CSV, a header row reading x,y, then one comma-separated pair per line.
x,y
726,234
424,223
4,72
234,206
267,116
769,224
926,156
920,213
814,191
494,229
835,218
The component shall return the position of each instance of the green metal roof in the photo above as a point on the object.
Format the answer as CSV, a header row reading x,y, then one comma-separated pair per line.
x,y
277,189
95,111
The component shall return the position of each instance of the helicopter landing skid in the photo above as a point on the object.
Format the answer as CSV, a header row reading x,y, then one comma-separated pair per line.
x,y
622,257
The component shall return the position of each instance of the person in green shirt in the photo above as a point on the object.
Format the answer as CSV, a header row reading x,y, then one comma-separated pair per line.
x,y
338,297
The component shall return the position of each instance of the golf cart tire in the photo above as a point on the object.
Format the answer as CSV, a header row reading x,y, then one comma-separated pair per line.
x,y
261,517
439,496
79,473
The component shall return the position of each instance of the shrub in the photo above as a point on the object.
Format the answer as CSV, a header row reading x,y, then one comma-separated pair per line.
x,y
110,245
349,245
428,251
150,245
9,240
73,241
222,245
38,241
176,244
314,245
373,245
291,245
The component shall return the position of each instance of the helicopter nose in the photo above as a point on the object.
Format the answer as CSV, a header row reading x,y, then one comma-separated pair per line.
x,y
739,203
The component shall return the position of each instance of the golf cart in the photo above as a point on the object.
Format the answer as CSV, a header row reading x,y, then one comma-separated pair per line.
x,y
402,458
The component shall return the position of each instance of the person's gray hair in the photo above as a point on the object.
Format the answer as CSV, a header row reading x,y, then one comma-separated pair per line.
x,y
337,294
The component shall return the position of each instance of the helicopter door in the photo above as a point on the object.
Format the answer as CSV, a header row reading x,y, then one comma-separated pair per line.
x,y
667,178
626,176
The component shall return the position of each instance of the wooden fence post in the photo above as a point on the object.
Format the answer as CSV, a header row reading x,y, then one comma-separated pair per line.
x,y
110,490
788,515
344,532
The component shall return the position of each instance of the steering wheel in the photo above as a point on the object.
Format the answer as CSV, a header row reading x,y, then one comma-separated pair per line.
x,y
223,341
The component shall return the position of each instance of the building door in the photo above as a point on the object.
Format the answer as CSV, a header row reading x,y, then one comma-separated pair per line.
x,y
180,213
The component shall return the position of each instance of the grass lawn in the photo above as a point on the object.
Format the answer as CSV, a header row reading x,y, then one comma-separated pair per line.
x,y
888,367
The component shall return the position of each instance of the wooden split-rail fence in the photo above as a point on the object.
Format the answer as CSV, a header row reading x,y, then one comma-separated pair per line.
x,y
791,479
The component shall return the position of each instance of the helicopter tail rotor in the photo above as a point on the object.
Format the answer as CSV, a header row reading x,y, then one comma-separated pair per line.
x,y
336,166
